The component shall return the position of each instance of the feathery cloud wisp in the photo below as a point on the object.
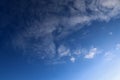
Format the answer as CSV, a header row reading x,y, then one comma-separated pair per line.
x,y
91,53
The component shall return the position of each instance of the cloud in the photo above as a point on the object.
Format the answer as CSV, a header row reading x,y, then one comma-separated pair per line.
x,y
91,53
112,54
110,3
63,51
72,59
109,56
110,33
50,21
77,52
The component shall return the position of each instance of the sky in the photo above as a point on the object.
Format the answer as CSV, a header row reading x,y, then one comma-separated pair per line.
x,y
60,40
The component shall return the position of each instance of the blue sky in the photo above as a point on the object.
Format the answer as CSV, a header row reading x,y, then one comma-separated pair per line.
x,y
60,40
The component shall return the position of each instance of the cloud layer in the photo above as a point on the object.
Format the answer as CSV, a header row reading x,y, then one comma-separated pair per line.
x,y
50,21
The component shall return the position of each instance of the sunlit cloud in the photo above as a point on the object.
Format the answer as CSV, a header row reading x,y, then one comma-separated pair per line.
x,y
91,53
72,59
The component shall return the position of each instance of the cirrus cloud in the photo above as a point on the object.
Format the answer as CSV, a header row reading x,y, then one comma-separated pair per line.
x,y
55,19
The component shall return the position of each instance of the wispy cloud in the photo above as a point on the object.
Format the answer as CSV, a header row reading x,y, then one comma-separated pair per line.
x,y
109,56
63,51
91,53
58,18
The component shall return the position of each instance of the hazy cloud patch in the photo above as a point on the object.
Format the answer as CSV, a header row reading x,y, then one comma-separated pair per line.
x,y
63,51
109,56
92,52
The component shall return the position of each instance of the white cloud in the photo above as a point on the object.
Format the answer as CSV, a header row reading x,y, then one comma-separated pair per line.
x,y
72,59
63,51
91,53
110,3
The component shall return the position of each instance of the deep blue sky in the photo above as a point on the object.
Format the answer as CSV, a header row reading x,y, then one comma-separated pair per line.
x,y
59,40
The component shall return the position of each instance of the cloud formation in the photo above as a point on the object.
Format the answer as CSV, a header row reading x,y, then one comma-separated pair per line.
x,y
53,20
92,53
72,59
109,56
63,51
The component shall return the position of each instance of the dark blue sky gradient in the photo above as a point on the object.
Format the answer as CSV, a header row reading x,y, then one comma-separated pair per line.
x,y
33,31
